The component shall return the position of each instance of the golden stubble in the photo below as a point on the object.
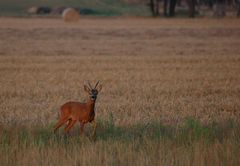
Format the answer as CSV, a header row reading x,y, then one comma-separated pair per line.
x,y
163,70
152,70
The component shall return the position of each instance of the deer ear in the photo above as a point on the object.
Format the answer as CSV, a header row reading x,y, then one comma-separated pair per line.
x,y
86,88
99,88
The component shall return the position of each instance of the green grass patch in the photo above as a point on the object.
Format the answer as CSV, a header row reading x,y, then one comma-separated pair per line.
x,y
191,132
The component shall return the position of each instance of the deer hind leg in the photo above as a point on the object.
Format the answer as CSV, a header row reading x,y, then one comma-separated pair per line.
x,y
68,122
69,126
60,123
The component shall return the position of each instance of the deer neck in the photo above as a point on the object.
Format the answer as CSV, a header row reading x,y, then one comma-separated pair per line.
x,y
91,105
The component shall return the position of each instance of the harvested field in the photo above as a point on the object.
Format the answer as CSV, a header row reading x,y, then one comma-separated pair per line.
x,y
152,71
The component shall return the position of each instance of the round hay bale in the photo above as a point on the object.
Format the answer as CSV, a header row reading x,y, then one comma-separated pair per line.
x,y
70,15
32,10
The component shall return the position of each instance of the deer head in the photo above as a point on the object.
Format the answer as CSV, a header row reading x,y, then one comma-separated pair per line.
x,y
93,92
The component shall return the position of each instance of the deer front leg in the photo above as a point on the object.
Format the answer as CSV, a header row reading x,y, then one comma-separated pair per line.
x,y
82,128
94,128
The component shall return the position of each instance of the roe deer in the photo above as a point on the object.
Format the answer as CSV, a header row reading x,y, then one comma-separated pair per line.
x,y
72,112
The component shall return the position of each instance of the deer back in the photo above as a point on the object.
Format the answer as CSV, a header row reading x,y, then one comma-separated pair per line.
x,y
83,112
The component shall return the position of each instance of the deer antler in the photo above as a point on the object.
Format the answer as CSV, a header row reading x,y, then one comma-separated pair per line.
x,y
90,85
96,85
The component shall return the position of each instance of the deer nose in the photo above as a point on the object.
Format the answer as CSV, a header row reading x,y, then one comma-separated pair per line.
x,y
94,97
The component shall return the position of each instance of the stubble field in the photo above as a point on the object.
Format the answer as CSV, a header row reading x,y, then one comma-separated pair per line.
x,y
171,90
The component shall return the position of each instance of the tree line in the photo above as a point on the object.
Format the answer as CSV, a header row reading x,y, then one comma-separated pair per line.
x,y
219,7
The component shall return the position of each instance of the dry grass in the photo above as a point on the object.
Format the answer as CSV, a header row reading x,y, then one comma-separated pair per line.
x,y
151,70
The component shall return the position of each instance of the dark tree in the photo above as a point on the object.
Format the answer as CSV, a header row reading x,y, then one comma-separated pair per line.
x,y
172,6
238,7
154,5
191,6
169,7
165,7
220,8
